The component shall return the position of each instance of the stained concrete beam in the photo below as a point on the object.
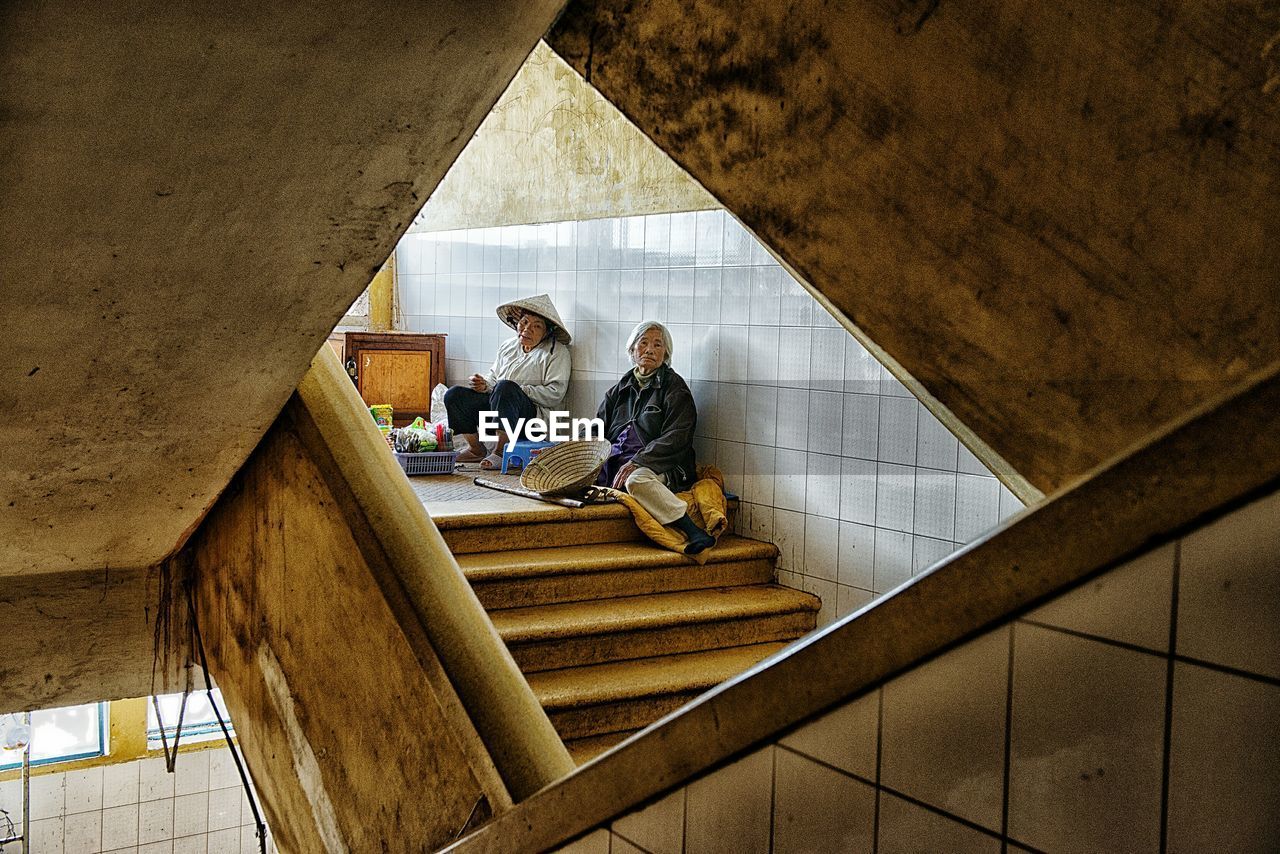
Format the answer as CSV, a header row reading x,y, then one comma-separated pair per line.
x,y
1060,218
353,733
69,638
190,198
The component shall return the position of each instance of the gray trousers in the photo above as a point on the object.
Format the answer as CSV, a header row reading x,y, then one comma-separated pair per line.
x,y
655,496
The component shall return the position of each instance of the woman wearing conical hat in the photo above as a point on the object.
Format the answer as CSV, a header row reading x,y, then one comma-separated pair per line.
x,y
529,377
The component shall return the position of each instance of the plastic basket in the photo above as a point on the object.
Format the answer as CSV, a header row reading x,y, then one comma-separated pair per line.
x,y
431,462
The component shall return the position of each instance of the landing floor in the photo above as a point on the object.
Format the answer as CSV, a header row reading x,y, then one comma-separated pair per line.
x,y
433,488
453,500
451,495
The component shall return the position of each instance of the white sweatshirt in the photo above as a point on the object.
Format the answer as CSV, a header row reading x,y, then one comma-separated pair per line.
x,y
541,374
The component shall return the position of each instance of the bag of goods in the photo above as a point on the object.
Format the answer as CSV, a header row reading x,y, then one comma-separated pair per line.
x,y
438,412
441,435
382,413
410,440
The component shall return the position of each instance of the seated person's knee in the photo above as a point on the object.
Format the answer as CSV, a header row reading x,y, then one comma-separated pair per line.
x,y
506,387
451,395
638,476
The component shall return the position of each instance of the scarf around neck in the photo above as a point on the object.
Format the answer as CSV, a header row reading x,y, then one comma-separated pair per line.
x,y
642,378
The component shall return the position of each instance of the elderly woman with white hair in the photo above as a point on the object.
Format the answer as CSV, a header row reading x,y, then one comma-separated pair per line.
x,y
649,415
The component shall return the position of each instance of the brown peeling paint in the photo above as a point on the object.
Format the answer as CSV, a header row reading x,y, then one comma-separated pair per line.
x,y
959,187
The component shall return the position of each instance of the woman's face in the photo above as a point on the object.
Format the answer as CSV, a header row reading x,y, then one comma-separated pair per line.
x,y
649,351
532,329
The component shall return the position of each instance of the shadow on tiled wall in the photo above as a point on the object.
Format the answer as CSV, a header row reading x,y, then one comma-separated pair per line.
x,y
836,462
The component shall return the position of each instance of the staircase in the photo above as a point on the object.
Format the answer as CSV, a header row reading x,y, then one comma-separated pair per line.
x,y
612,631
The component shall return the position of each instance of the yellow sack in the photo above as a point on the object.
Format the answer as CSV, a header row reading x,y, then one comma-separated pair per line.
x,y
707,507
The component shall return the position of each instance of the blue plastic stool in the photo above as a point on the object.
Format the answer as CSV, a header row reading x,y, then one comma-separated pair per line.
x,y
520,455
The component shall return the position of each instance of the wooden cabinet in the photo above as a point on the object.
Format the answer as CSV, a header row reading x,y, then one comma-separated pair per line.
x,y
399,368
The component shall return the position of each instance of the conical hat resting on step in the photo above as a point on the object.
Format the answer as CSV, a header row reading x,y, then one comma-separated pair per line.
x,y
566,468
541,305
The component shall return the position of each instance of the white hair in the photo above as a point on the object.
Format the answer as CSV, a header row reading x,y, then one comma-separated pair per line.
x,y
641,328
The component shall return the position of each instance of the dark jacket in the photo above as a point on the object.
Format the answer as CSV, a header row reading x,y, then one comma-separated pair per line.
x,y
665,417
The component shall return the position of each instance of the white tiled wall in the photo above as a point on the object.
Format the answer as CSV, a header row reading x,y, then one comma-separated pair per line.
x,y
1136,713
139,807
854,480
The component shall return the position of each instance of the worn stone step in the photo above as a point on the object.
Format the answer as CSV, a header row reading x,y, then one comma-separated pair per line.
x,y
583,750
573,634
484,530
525,577
519,523
619,697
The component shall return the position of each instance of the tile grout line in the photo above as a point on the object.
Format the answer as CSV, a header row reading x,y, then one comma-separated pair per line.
x,y
1076,633
773,795
1167,747
875,822
608,828
875,513
915,483
684,820
1008,743
911,799
1133,647
1228,670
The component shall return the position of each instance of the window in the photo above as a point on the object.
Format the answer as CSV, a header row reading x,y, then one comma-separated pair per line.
x,y
198,722
60,735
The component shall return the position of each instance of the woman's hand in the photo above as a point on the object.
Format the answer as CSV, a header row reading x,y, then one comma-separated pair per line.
x,y
620,479
478,383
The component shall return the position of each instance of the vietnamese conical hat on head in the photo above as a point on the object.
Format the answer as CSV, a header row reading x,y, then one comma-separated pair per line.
x,y
509,313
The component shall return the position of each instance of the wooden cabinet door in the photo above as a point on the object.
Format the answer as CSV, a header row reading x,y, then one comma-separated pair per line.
x,y
401,378
397,368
